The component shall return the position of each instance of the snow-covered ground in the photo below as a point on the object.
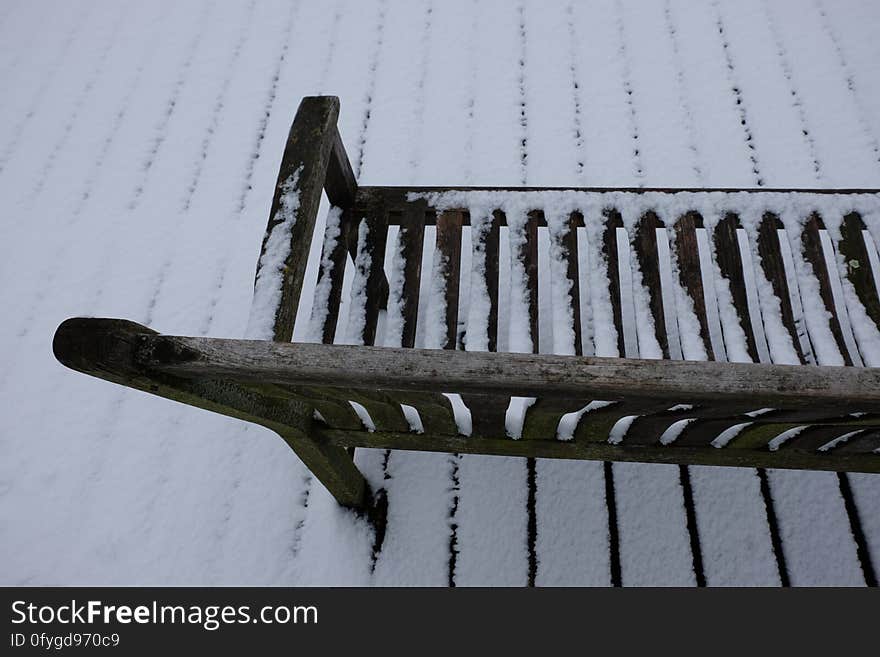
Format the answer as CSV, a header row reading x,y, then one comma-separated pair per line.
x,y
139,144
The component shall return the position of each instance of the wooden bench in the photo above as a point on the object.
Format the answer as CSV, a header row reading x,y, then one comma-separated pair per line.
x,y
668,410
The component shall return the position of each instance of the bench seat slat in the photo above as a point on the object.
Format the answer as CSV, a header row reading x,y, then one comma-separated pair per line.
x,y
815,255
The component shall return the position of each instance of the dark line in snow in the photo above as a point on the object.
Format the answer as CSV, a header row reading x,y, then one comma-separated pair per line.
x,y
523,121
331,39
217,110
773,523
453,511
371,87
467,172
298,528
161,132
613,533
264,120
796,100
378,508
575,92
738,97
862,549
683,98
850,80
684,475
626,77
532,525
34,106
415,160
80,101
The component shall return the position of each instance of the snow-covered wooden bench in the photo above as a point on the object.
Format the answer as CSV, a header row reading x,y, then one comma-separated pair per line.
x,y
717,282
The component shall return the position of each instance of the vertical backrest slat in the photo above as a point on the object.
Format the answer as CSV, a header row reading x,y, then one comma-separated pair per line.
x,y
333,267
568,242
449,225
491,247
613,221
528,256
411,239
372,260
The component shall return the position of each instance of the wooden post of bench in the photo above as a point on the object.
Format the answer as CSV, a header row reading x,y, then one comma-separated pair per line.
x,y
314,159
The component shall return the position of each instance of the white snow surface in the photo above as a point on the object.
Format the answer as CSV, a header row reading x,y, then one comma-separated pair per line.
x,y
139,148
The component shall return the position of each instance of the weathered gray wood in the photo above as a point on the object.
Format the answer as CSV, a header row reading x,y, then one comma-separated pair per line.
x,y
449,250
770,386
411,238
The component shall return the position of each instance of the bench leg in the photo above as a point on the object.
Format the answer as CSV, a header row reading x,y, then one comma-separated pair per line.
x,y
332,466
